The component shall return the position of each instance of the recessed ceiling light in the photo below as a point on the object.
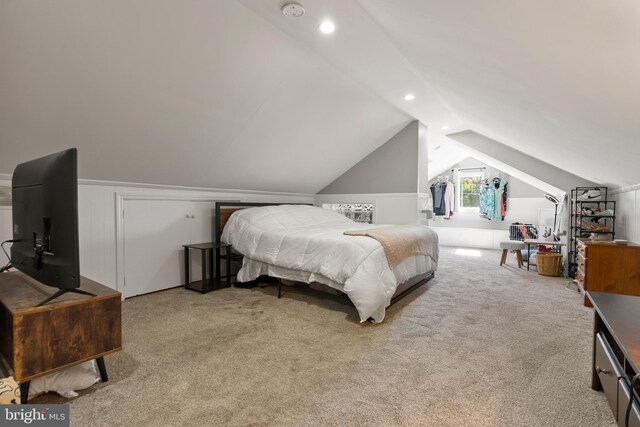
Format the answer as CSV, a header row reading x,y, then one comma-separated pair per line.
x,y
409,97
293,10
327,27
444,127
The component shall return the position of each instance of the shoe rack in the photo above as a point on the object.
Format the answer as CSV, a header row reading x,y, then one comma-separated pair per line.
x,y
583,224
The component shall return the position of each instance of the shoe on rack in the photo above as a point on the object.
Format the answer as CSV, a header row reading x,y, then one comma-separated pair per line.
x,y
591,195
588,212
606,212
598,216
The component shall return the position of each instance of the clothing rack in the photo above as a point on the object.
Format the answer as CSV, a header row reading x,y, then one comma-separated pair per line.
x,y
471,169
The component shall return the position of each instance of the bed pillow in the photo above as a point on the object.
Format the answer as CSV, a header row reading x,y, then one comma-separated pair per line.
x,y
66,381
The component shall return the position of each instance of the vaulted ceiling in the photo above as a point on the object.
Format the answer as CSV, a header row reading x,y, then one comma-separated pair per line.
x,y
232,94
196,93
557,80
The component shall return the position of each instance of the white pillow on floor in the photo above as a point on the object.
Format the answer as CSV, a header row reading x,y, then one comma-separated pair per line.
x,y
66,381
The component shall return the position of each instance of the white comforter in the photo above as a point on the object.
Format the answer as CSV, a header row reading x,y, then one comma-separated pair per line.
x,y
311,240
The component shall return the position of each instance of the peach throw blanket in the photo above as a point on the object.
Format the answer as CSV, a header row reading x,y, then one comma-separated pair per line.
x,y
402,241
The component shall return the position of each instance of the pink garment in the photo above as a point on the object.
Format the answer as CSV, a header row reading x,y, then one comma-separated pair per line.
x,y
449,200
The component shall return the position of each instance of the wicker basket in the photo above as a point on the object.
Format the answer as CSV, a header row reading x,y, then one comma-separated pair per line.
x,y
549,263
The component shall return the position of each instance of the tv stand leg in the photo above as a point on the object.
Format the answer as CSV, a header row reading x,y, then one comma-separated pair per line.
x,y
62,292
24,392
103,369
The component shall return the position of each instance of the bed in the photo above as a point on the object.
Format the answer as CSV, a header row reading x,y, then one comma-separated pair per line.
x,y
307,244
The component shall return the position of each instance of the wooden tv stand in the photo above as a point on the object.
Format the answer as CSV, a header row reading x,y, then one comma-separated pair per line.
x,y
616,352
70,330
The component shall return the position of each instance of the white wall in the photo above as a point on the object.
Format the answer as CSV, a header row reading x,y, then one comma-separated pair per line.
x,y
469,230
97,219
525,210
5,220
628,214
471,237
5,229
97,214
398,158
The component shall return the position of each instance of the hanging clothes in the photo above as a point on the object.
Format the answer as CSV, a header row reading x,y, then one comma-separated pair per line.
x,y
438,191
438,195
504,201
493,199
498,185
449,200
487,199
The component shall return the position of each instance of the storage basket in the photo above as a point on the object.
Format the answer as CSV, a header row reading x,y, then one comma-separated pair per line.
x,y
549,263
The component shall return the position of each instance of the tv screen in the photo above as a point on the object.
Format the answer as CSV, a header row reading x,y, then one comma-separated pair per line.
x,y
45,220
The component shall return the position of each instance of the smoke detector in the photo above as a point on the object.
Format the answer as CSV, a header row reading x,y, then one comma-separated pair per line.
x,y
293,10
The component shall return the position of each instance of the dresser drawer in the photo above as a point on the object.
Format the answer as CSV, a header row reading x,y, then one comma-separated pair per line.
x,y
623,402
608,371
581,248
581,277
581,260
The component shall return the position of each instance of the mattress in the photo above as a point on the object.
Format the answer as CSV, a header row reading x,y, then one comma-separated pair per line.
x,y
307,244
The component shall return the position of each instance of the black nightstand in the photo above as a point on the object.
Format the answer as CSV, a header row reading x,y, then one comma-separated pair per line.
x,y
208,251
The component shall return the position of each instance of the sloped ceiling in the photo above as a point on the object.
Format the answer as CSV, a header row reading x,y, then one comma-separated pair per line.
x,y
184,93
226,93
362,49
557,80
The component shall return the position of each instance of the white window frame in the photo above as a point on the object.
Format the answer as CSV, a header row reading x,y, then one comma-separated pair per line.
x,y
466,174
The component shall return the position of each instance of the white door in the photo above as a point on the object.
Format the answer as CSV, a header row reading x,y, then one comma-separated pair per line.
x,y
154,232
202,221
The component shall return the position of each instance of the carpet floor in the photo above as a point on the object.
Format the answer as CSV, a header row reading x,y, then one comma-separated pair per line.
x,y
479,345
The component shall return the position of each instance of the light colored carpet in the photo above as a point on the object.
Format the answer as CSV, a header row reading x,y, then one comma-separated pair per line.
x,y
480,345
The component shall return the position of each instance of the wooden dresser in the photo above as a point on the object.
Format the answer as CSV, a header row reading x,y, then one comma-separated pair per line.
x,y
607,267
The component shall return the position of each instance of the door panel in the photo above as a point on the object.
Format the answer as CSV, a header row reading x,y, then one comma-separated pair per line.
x,y
200,231
154,232
202,221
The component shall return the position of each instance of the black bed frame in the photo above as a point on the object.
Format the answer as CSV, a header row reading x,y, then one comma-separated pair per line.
x,y
409,286
404,289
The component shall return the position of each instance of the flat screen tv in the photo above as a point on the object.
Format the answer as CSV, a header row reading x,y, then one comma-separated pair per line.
x,y
45,221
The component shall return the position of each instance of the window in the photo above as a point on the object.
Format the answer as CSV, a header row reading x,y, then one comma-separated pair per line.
x,y
358,212
469,190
